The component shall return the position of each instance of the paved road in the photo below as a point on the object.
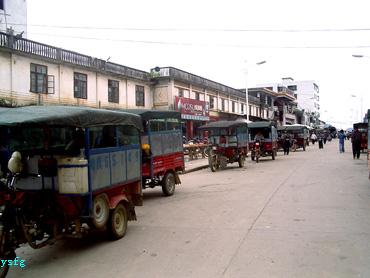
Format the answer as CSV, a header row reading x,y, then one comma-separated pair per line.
x,y
302,215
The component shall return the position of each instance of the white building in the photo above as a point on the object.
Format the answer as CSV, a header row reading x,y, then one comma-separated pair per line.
x,y
13,15
35,73
306,92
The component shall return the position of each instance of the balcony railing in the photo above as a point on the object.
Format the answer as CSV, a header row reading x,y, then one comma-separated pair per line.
x,y
196,80
60,55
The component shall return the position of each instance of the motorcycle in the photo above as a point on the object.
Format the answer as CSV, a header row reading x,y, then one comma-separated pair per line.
x,y
25,218
256,150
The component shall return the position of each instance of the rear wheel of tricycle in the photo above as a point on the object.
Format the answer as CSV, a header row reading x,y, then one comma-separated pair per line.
x,y
5,257
213,163
273,154
304,147
117,225
241,161
168,186
100,211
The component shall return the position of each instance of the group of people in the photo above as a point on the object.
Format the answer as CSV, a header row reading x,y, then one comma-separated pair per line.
x,y
356,142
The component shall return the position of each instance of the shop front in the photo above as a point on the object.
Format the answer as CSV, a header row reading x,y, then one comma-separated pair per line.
x,y
194,113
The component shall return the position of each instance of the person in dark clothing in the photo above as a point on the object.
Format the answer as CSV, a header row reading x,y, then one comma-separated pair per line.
x,y
356,143
320,140
286,144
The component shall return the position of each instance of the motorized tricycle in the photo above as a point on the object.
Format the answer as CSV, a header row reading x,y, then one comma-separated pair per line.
x,y
363,129
163,154
66,171
299,134
228,143
263,139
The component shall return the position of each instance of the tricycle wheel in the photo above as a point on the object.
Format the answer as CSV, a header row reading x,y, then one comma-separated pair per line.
x,y
241,161
252,157
100,211
257,158
118,222
273,155
168,186
213,163
5,257
304,147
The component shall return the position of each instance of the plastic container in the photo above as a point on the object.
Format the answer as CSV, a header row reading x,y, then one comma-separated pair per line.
x,y
72,175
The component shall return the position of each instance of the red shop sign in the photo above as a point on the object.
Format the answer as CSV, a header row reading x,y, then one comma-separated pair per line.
x,y
192,109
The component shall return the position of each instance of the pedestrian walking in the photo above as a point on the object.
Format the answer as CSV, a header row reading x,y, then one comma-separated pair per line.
x,y
320,140
356,143
286,144
341,137
313,138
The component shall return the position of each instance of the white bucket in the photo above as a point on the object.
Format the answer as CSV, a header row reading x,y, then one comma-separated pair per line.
x,y
72,175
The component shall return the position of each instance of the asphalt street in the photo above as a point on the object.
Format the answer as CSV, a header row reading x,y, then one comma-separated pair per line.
x,y
302,215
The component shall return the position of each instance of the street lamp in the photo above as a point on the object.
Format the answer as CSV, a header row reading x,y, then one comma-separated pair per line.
x,y
246,86
360,97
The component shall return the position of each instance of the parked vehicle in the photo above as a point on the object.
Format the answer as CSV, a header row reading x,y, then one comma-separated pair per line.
x,y
228,143
267,146
65,171
363,129
299,134
163,154
368,140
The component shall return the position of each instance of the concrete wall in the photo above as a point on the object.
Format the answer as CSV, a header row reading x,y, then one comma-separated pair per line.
x,y
15,11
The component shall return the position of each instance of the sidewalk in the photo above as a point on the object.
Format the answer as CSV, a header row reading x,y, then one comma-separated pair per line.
x,y
195,164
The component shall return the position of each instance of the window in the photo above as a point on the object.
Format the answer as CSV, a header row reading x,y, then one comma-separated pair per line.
x,y
113,91
222,104
80,85
39,78
233,106
1,4
103,137
292,87
128,135
51,82
211,102
181,92
242,108
197,96
140,96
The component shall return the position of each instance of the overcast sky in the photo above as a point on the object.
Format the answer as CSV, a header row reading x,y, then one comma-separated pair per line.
x,y
305,40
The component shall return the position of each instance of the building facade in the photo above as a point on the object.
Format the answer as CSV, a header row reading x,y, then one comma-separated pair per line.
x,y
307,94
201,100
34,73
13,17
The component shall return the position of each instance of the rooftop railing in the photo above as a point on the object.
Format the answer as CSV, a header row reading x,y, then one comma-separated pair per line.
x,y
60,55
196,80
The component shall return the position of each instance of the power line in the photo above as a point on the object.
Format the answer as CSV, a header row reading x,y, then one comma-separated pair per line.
x,y
206,45
196,29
